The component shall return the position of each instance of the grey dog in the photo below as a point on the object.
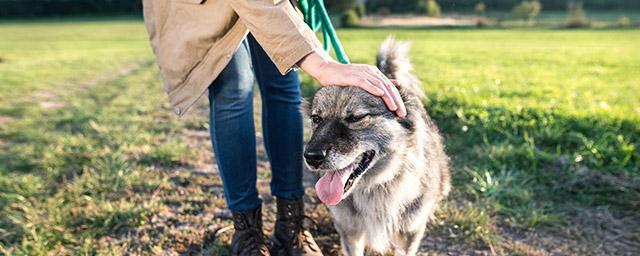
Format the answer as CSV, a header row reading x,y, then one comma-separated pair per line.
x,y
382,176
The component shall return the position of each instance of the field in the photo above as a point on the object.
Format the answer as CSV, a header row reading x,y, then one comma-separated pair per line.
x,y
542,127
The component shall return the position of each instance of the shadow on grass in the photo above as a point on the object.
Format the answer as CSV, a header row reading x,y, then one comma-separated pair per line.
x,y
534,168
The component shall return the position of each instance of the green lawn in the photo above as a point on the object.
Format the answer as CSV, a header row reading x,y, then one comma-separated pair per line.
x,y
542,127
37,55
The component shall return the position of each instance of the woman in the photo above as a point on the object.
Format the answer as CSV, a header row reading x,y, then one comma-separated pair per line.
x,y
218,45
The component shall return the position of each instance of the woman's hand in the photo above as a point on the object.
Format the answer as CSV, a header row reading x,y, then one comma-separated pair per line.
x,y
325,70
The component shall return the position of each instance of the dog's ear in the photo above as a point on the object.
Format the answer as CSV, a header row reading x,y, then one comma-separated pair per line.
x,y
305,106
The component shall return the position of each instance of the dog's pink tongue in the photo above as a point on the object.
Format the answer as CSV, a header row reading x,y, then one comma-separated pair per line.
x,y
330,187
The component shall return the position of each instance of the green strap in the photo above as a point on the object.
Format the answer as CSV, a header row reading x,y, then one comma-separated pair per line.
x,y
315,15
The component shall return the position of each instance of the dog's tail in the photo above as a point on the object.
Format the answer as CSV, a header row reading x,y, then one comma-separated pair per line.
x,y
393,61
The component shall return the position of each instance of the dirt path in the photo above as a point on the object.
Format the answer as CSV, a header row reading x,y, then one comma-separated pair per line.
x,y
416,21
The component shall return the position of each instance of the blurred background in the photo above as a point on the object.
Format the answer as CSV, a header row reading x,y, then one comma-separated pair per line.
x,y
538,101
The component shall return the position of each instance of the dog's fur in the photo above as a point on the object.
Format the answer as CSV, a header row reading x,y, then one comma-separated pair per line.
x,y
389,205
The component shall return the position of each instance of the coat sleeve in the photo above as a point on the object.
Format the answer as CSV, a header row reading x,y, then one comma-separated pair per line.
x,y
278,28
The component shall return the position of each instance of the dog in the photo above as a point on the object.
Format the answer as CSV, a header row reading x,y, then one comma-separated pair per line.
x,y
382,176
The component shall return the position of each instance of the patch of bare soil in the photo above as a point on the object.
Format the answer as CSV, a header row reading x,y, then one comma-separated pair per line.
x,y
588,231
604,233
5,120
437,242
416,21
600,230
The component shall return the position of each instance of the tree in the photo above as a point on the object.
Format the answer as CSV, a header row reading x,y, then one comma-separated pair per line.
x,y
527,10
339,6
360,10
480,8
350,18
577,15
430,7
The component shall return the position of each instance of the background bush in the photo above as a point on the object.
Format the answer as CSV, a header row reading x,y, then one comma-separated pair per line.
x,y
430,7
624,21
577,15
44,8
394,6
360,10
339,6
350,19
527,9
480,8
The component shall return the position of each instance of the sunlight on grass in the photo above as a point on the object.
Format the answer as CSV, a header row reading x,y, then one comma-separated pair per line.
x,y
539,124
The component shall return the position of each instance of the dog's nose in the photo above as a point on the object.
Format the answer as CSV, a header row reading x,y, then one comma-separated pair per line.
x,y
315,157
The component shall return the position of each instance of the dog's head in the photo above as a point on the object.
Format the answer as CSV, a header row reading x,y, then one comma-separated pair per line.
x,y
353,131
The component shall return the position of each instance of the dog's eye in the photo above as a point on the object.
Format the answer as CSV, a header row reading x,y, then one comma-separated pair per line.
x,y
353,119
316,119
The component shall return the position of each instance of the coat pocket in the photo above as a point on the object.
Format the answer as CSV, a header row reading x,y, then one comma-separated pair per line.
x,y
191,1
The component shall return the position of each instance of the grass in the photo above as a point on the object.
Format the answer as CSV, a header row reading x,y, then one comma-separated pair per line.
x,y
542,127
526,114
66,52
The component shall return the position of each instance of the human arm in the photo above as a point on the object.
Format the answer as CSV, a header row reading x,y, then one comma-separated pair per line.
x,y
327,72
289,41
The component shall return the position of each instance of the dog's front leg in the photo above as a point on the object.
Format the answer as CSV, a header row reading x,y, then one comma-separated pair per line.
x,y
351,240
407,243
352,246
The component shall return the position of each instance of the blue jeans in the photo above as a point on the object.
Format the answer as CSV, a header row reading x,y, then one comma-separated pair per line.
x,y
233,132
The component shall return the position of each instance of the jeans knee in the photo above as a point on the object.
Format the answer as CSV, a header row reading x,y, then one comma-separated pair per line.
x,y
290,98
283,91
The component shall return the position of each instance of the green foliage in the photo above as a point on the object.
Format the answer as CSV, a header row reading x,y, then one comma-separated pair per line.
x,y
527,9
550,5
577,15
340,6
480,8
384,11
361,10
433,9
430,7
393,6
350,19
624,21
47,8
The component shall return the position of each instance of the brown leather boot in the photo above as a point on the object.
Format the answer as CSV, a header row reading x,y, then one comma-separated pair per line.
x,y
290,237
248,239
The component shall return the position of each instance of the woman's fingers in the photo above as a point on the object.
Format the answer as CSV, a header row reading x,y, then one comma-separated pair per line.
x,y
402,110
387,97
392,91
371,80
369,87
395,95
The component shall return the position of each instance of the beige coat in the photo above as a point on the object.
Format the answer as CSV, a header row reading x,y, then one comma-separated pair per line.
x,y
194,40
